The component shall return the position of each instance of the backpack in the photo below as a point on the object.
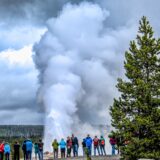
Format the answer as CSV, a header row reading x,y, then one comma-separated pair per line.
x,y
24,146
102,142
96,140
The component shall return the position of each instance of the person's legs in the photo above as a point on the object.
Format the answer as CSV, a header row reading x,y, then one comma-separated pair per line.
x,y
56,153
64,152
61,153
101,150
17,154
41,152
89,150
29,155
25,155
5,156
35,156
68,152
76,150
14,156
98,150
104,150
39,155
74,154
94,150
113,149
84,151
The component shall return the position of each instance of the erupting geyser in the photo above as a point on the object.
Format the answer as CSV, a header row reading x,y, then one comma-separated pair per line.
x,y
77,62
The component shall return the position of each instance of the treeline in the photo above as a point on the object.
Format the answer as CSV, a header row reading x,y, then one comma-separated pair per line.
x,y
21,130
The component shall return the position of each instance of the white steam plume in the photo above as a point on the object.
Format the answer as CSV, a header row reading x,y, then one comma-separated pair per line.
x,y
79,60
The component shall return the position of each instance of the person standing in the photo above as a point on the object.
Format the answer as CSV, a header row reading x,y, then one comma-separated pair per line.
x,y
36,150
102,145
75,145
113,143
16,148
63,148
24,150
7,151
96,145
89,144
69,146
84,146
40,147
55,148
29,146
1,150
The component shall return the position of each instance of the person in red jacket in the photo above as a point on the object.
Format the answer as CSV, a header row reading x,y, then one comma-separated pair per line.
x,y
1,150
113,143
69,146
96,145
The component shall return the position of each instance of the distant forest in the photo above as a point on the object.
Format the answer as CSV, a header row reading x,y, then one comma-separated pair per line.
x,y
21,131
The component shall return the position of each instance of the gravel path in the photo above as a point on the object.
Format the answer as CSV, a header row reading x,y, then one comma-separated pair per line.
x,y
84,158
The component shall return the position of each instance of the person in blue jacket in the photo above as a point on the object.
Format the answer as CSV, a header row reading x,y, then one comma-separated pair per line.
x,y
29,146
62,145
7,151
89,144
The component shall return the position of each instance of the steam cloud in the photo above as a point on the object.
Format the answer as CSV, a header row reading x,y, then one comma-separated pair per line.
x,y
79,59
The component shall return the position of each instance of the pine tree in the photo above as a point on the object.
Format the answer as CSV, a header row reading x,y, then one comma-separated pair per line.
x,y
136,113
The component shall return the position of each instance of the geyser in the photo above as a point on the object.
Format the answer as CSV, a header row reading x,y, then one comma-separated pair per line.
x,y
78,62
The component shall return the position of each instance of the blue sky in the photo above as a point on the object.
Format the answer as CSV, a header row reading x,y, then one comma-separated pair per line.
x,y
22,24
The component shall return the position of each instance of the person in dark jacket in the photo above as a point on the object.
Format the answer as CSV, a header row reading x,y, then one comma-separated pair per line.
x,y
89,144
75,145
24,149
29,146
84,146
16,148
40,147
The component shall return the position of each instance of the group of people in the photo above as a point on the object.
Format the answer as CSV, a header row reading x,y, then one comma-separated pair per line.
x,y
71,145
4,150
27,147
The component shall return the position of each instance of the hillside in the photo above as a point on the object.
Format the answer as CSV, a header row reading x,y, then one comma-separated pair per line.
x,y
21,130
